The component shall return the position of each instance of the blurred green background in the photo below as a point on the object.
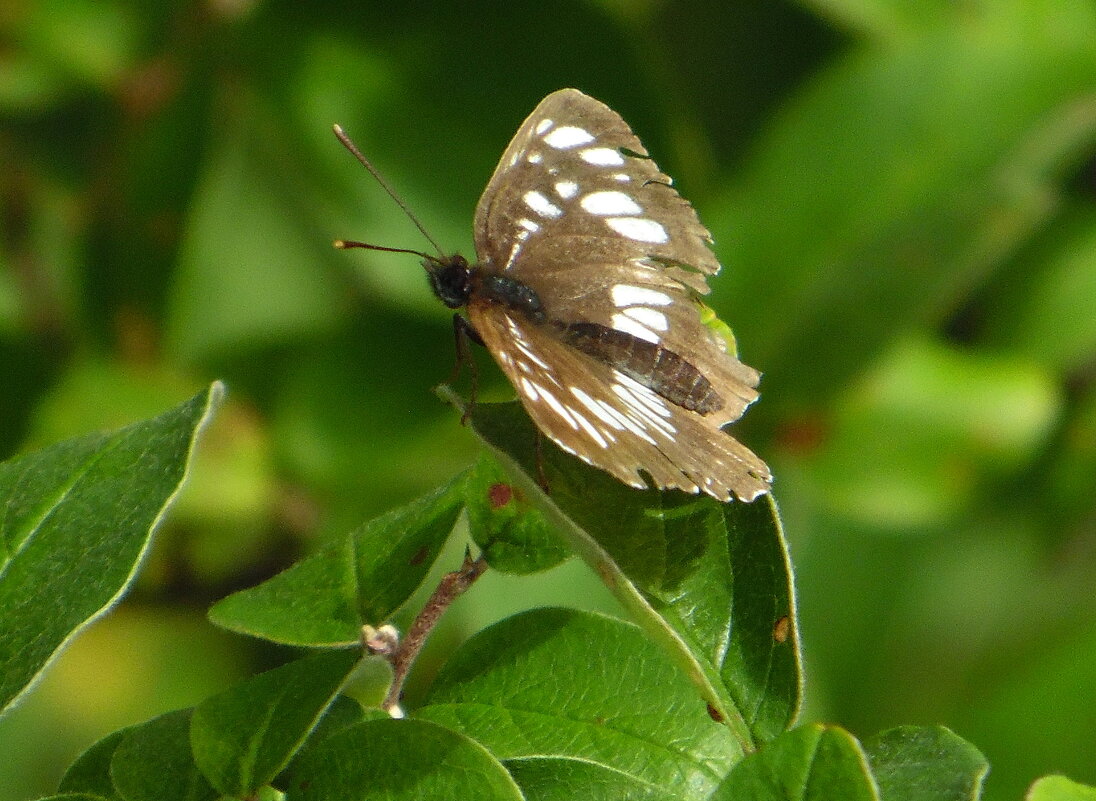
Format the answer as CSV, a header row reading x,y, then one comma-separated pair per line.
x,y
903,194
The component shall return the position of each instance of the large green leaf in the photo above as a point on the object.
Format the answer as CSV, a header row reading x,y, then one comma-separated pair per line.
x,y
811,763
399,760
90,773
925,763
564,683
78,518
153,762
1059,788
710,582
243,737
326,598
556,779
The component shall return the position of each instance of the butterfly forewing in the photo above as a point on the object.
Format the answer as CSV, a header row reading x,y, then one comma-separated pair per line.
x,y
617,366
576,180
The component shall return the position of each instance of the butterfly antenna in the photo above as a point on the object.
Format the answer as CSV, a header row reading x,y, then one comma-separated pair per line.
x,y
349,145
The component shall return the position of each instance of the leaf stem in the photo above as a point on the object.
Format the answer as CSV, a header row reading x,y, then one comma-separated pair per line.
x,y
451,587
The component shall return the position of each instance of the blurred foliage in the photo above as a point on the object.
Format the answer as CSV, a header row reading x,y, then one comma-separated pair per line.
x,y
902,193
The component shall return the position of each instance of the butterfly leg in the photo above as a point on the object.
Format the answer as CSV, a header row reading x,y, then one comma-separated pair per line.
x,y
463,333
542,478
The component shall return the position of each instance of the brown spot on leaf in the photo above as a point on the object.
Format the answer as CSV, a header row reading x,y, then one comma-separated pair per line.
x,y
714,714
782,628
498,495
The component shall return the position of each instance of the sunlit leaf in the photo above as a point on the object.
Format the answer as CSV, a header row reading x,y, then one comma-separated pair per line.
x,y
78,518
562,683
710,582
244,736
327,597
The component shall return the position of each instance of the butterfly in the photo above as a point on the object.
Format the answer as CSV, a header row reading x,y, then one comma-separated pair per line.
x,y
586,293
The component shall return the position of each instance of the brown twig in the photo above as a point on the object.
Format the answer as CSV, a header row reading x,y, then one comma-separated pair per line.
x,y
402,657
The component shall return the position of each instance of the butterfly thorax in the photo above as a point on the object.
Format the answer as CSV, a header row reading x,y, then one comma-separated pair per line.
x,y
456,282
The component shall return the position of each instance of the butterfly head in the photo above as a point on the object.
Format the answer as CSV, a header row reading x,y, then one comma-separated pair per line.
x,y
450,278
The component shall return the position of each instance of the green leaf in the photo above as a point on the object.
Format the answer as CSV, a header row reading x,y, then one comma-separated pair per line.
x,y
811,763
78,519
1059,788
154,763
343,712
325,599
243,737
555,779
74,797
565,683
925,763
398,760
710,582
90,773
512,534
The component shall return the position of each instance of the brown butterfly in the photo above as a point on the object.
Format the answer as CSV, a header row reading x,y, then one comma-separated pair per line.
x,y
586,294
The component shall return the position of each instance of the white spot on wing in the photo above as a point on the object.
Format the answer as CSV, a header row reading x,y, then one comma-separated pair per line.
x,y
540,204
631,423
515,250
519,342
588,427
604,412
622,322
652,318
643,405
529,225
609,203
638,228
568,136
557,407
544,125
534,158
602,156
566,189
528,353
622,177
646,396
627,295
529,388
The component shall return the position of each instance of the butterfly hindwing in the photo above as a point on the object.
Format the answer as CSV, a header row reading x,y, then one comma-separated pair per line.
x,y
611,421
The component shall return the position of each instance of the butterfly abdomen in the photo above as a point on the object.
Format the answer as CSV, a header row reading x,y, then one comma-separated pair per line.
x,y
652,365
